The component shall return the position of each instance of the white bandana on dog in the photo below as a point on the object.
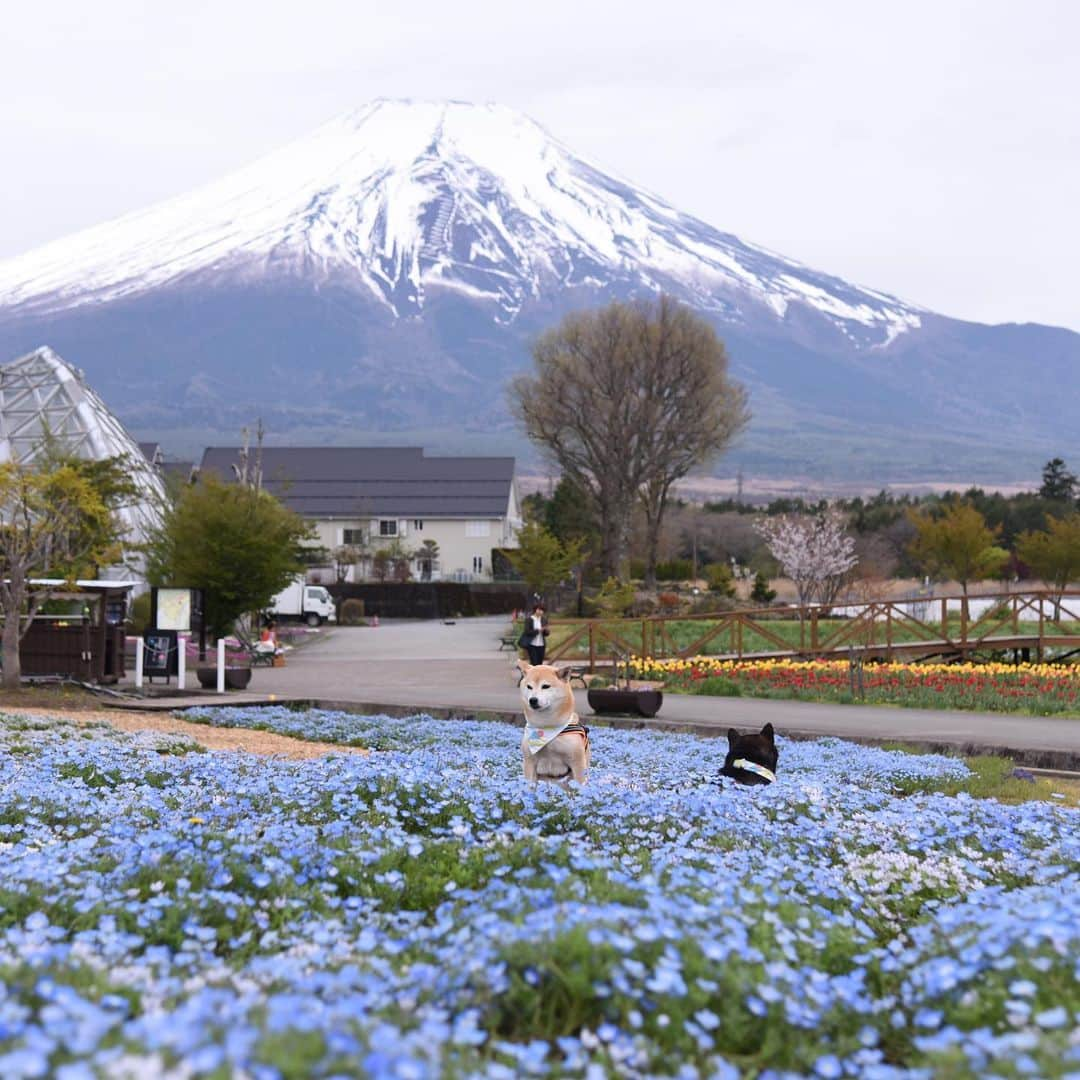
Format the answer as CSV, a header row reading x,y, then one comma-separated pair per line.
x,y
538,737
754,767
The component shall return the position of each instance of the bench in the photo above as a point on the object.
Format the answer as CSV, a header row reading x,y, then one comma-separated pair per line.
x,y
260,657
507,643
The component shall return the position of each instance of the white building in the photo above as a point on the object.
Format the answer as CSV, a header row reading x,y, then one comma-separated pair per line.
x,y
372,496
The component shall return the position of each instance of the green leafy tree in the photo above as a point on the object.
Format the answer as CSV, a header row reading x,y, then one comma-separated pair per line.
x,y
957,544
541,559
761,593
58,521
1057,482
236,542
1054,554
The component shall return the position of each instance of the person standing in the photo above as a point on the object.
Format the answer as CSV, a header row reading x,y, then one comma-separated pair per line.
x,y
536,627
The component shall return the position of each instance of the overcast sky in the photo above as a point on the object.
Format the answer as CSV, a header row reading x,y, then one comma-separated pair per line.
x,y
928,149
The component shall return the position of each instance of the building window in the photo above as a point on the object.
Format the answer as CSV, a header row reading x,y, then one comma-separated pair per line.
x,y
478,564
477,528
388,528
418,524
353,536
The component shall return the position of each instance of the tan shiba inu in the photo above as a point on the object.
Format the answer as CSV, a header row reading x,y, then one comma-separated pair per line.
x,y
555,745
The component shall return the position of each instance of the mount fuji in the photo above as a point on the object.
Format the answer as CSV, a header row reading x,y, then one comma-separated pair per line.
x,y
382,278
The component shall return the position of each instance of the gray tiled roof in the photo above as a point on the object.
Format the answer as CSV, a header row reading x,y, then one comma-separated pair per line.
x,y
376,481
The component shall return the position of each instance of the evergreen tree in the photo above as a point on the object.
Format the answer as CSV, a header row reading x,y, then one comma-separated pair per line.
x,y
1057,482
542,559
761,593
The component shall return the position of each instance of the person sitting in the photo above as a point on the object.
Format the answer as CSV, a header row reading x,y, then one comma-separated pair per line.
x,y
268,642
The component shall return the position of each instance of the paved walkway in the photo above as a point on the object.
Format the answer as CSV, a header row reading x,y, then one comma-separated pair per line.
x,y
434,665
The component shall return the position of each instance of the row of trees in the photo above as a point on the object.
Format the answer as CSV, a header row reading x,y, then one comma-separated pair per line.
x,y
390,562
956,543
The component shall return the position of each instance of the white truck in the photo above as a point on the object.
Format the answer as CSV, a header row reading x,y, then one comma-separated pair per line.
x,y
310,603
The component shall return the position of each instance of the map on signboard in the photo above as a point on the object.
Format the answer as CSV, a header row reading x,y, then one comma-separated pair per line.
x,y
174,609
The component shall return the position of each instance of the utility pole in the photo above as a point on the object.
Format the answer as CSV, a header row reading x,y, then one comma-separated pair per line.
x,y
258,477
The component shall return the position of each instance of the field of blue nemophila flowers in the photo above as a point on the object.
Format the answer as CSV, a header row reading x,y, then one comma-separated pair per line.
x,y
421,912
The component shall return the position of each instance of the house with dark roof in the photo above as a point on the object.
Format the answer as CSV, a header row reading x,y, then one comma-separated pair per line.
x,y
370,496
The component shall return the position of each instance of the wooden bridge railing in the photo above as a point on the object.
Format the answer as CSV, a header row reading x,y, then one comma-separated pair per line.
x,y
916,627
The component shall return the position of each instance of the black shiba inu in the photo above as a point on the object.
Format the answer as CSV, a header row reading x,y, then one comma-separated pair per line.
x,y
751,759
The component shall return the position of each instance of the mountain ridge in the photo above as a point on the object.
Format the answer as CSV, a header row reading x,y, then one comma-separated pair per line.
x,y
387,273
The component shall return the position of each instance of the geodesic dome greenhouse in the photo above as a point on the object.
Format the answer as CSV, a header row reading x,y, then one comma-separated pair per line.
x,y
41,394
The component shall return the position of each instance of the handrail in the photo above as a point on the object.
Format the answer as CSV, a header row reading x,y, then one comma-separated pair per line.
x,y
877,627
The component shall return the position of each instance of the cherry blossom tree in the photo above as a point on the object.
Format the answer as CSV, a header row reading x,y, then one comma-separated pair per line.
x,y
816,553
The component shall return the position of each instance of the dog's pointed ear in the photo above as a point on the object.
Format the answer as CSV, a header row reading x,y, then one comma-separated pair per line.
x,y
564,673
523,666
732,736
767,731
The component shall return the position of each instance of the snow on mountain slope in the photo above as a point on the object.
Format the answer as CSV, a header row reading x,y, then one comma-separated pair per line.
x,y
400,198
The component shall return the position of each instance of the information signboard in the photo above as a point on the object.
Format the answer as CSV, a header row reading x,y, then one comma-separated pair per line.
x,y
173,609
160,657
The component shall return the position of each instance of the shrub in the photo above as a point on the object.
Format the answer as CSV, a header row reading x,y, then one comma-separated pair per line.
x,y
643,605
668,601
718,575
710,604
616,597
352,613
674,570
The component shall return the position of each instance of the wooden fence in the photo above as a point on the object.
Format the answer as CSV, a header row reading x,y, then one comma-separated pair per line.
x,y
1029,623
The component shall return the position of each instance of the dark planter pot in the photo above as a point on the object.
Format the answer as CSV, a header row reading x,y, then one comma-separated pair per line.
x,y
635,702
236,678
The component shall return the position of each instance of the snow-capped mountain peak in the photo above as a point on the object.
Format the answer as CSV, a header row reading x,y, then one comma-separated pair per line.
x,y
401,198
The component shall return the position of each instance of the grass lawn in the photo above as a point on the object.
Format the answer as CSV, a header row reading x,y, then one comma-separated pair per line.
x,y
420,912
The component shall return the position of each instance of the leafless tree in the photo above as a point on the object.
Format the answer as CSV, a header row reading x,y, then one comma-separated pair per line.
x,y
696,410
626,400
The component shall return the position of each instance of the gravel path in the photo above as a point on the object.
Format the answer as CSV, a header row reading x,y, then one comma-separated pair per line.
x,y
211,738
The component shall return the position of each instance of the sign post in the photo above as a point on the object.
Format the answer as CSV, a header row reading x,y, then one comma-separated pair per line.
x,y
181,660
221,666
138,663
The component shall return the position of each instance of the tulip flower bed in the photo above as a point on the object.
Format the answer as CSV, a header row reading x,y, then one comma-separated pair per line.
x,y
419,912
1036,688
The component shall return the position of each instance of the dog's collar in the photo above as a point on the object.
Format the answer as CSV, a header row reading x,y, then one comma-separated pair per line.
x,y
754,767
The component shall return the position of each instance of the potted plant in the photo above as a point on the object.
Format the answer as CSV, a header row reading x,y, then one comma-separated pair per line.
x,y
237,671
625,699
